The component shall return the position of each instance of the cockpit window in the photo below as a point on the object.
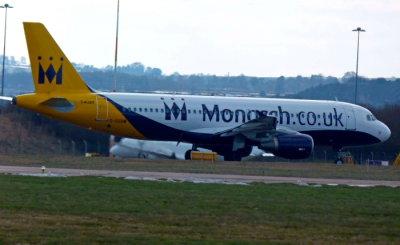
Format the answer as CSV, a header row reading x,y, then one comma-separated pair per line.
x,y
371,117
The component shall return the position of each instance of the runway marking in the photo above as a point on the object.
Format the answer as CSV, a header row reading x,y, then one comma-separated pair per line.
x,y
197,177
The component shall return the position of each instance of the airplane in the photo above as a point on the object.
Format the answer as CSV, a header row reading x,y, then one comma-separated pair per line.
x,y
134,148
230,126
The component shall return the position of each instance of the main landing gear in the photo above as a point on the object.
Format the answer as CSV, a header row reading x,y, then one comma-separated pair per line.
x,y
188,153
238,154
233,156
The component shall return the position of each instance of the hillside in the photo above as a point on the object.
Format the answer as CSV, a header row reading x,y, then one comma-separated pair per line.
x,y
375,92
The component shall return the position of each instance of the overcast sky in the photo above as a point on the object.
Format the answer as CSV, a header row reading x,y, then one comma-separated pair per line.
x,y
251,37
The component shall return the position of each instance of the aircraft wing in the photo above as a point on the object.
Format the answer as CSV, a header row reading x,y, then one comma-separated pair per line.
x,y
264,133
259,125
259,129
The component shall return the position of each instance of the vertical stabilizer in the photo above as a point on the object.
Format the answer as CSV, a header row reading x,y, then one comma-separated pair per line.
x,y
51,70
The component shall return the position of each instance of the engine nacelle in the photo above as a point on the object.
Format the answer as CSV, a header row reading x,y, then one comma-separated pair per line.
x,y
291,146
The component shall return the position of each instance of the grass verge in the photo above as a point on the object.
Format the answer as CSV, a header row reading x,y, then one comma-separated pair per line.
x,y
98,210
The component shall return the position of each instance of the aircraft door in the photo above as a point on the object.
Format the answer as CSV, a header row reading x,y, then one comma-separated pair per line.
x,y
350,118
102,108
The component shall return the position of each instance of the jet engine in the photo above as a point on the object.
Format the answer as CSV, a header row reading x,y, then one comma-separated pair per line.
x,y
291,146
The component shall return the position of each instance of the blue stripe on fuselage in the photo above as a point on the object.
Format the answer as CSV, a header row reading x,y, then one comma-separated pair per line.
x,y
157,131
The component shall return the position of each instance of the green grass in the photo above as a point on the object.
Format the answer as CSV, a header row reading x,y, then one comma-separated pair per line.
x,y
294,169
98,210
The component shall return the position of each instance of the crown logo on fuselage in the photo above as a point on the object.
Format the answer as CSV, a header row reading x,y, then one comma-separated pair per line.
x,y
175,111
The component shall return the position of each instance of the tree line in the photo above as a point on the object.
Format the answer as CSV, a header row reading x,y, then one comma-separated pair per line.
x,y
138,78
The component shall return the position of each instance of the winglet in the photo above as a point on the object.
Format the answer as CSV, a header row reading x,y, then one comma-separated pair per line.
x,y
51,69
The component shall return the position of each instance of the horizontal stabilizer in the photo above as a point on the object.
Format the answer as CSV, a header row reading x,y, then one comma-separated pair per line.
x,y
60,104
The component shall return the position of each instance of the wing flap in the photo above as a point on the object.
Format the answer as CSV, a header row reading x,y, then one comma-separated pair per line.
x,y
262,124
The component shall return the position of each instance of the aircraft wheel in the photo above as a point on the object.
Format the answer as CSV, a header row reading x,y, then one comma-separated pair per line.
x,y
234,156
188,155
142,155
339,161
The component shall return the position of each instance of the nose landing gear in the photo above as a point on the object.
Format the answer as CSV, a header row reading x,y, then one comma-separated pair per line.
x,y
344,157
339,154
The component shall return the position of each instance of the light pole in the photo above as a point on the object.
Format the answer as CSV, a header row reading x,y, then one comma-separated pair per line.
x,y
6,6
358,30
116,51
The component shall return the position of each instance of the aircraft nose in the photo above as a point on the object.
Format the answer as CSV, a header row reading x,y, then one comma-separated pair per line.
x,y
384,133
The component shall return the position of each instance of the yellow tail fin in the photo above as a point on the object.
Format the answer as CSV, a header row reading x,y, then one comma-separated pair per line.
x,y
51,70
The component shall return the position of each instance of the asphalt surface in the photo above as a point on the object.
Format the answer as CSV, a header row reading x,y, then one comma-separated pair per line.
x,y
191,177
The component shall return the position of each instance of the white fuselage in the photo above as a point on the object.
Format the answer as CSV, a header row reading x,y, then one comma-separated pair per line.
x,y
211,114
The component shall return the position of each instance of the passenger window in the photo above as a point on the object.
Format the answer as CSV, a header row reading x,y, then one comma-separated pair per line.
x,y
194,111
151,109
156,109
189,111
134,109
145,109
140,109
162,110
